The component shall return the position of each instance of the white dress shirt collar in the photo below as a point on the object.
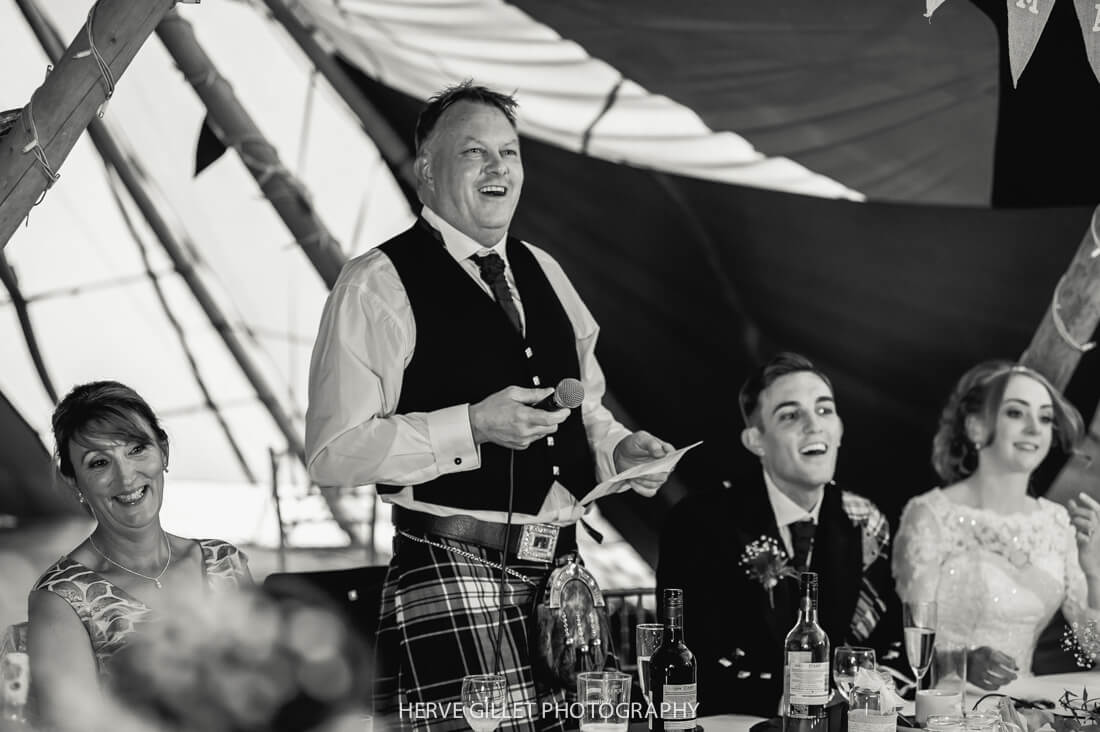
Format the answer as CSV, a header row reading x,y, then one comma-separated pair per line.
x,y
457,244
787,511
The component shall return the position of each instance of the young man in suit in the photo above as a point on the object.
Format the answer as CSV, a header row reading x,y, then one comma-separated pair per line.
x,y
735,625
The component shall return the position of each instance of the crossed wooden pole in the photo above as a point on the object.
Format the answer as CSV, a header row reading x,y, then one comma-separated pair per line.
x,y
33,149
1062,338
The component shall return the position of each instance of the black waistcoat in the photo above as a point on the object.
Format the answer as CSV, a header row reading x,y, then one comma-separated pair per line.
x,y
466,349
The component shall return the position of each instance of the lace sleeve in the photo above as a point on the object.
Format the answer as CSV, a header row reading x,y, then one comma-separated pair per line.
x,y
918,553
1084,637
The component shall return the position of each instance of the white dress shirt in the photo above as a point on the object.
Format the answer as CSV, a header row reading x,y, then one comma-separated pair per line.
x,y
788,512
365,341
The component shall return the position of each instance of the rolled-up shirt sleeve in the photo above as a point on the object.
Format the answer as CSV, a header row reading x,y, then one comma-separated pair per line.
x,y
364,342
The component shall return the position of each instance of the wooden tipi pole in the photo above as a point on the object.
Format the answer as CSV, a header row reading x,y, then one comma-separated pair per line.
x,y
1074,312
288,196
236,129
1062,338
178,250
31,153
394,150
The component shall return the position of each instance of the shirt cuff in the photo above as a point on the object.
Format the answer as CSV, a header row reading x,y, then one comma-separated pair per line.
x,y
452,439
605,452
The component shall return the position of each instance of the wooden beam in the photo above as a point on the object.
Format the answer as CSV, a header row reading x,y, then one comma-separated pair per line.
x,y
237,130
67,101
1061,339
1071,318
393,148
23,315
176,245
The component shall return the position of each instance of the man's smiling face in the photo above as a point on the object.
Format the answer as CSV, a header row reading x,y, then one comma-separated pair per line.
x,y
470,171
796,432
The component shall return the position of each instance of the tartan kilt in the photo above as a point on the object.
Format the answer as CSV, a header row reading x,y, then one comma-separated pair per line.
x,y
439,621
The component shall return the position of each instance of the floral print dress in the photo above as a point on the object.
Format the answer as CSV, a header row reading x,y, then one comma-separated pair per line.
x,y
111,615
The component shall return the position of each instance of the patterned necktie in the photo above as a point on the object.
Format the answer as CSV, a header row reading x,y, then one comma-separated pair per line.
x,y
492,271
802,539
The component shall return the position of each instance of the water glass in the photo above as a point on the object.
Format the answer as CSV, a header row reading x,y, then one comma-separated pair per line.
x,y
648,637
949,669
15,677
483,701
868,711
945,723
930,703
846,660
604,697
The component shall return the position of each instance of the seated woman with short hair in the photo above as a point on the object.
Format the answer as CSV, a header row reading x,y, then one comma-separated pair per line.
x,y
113,453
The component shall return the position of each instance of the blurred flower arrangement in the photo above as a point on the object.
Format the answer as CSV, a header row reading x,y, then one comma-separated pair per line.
x,y
1079,713
1085,712
765,562
232,662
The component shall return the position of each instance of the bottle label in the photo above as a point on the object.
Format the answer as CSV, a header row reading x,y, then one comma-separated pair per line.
x,y
678,706
809,681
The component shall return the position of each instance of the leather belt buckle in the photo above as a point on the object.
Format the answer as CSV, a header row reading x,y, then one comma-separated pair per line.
x,y
537,542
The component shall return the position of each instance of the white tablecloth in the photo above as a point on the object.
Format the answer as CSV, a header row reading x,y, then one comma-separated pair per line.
x,y
1033,687
1052,686
728,722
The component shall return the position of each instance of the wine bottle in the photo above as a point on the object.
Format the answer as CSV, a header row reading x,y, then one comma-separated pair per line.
x,y
806,665
672,671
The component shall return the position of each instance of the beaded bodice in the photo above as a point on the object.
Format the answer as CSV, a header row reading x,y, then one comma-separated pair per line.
x,y
997,579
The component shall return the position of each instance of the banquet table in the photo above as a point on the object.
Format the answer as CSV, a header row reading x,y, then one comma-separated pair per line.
x,y
1049,687
1032,688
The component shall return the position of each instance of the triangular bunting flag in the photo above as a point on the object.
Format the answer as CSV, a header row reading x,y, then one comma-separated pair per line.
x,y
1026,20
930,7
209,148
1088,14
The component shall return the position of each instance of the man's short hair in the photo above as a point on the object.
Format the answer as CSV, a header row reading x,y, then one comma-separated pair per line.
x,y
780,365
466,91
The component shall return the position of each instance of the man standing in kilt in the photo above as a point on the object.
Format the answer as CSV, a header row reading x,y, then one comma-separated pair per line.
x,y
433,351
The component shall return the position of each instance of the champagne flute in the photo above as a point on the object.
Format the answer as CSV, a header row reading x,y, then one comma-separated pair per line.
x,y
920,636
483,701
846,660
648,637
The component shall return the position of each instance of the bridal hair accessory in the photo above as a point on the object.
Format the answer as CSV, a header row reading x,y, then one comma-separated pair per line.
x,y
765,562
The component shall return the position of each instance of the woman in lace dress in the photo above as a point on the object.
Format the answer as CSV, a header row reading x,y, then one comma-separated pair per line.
x,y
85,608
998,561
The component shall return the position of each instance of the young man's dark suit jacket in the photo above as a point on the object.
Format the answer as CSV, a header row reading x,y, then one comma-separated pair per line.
x,y
729,624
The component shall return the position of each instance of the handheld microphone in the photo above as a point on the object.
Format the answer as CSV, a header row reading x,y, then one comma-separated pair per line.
x,y
568,394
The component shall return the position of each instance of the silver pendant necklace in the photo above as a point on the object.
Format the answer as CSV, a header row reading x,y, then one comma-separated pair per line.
x,y
154,580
